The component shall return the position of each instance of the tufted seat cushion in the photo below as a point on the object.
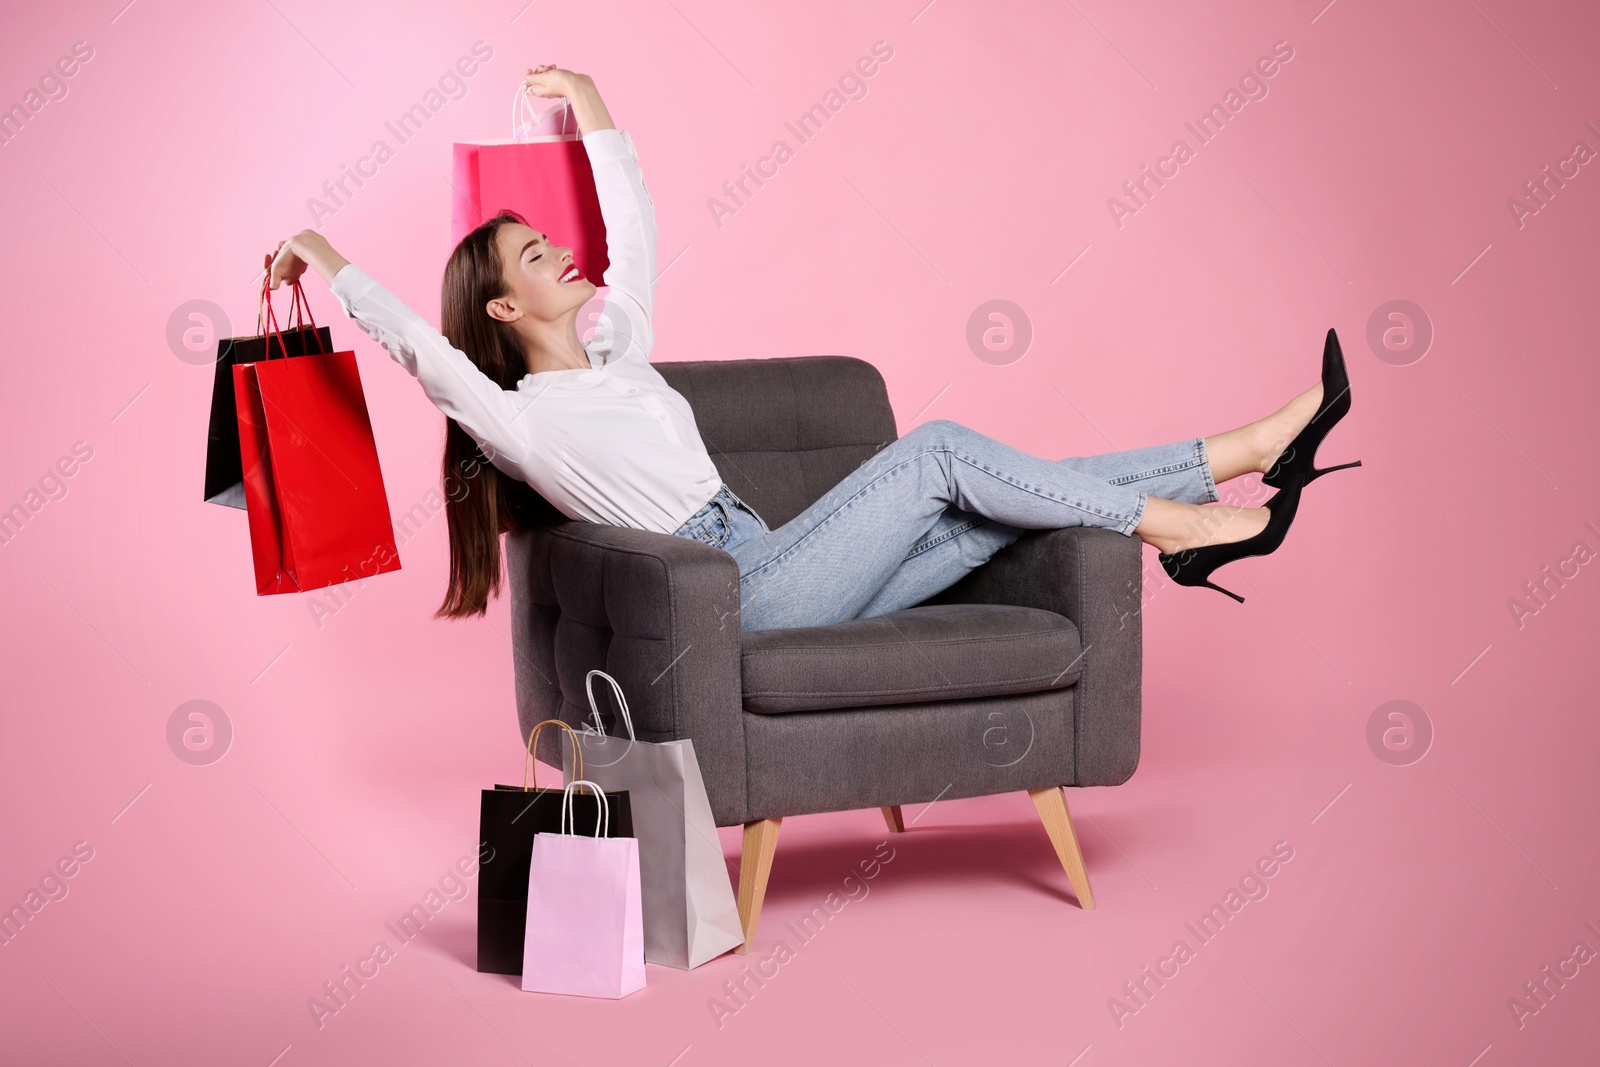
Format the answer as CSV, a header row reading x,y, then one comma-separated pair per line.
x,y
931,652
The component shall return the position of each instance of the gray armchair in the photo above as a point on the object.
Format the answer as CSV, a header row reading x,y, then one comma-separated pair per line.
x,y
1023,675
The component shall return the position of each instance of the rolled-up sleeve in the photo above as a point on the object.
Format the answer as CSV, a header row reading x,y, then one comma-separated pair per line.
x,y
630,220
490,414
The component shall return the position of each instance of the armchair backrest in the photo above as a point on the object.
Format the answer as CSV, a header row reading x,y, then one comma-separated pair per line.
x,y
784,431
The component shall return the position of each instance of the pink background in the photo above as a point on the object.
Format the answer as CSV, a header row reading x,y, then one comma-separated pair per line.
x,y
1420,898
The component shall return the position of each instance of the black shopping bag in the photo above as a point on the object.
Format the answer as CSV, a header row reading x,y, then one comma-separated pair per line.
x,y
507,820
224,471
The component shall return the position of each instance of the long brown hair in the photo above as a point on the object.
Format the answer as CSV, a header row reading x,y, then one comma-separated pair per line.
x,y
481,501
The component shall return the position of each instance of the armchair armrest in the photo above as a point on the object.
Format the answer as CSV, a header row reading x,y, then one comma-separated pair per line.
x,y
658,613
1093,577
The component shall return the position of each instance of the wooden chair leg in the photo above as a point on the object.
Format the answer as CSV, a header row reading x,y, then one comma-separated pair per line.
x,y
896,821
1052,805
755,863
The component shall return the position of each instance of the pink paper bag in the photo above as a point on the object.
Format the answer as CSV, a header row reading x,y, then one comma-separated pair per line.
x,y
543,174
585,934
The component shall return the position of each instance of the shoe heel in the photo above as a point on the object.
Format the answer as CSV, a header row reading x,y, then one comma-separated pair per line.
x,y
1209,584
1319,472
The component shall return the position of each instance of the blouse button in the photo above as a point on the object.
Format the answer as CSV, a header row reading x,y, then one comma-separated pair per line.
x,y
663,417
633,390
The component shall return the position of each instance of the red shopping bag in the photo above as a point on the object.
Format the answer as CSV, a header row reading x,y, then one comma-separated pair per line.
x,y
313,489
543,174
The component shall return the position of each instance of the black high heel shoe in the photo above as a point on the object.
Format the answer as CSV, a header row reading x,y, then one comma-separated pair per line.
x,y
1297,463
1193,566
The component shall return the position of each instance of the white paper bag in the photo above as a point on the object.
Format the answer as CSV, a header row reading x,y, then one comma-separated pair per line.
x,y
690,915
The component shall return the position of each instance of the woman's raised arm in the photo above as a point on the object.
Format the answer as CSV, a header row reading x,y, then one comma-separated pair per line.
x,y
625,205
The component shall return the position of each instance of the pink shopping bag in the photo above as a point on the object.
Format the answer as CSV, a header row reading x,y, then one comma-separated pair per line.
x,y
585,933
542,172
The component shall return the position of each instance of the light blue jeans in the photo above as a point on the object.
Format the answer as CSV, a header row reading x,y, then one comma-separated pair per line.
x,y
925,510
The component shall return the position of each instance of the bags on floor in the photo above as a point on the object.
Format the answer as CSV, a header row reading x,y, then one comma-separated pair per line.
x,y
224,474
508,818
312,485
585,931
542,172
690,915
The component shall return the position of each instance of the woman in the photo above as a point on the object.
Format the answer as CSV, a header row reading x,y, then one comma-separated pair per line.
x,y
602,436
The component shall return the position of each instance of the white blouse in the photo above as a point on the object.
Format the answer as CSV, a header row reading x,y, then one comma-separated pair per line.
x,y
612,444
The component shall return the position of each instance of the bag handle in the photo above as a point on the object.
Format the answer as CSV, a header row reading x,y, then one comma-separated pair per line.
x,y
522,106
270,329
299,302
530,764
602,817
266,283
622,701
302,302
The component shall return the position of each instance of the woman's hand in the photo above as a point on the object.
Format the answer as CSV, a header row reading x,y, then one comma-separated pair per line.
x,y
551,80
306,248
587,107
283,265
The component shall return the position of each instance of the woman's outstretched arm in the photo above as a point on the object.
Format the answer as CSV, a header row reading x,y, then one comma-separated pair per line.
x,y
490,414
